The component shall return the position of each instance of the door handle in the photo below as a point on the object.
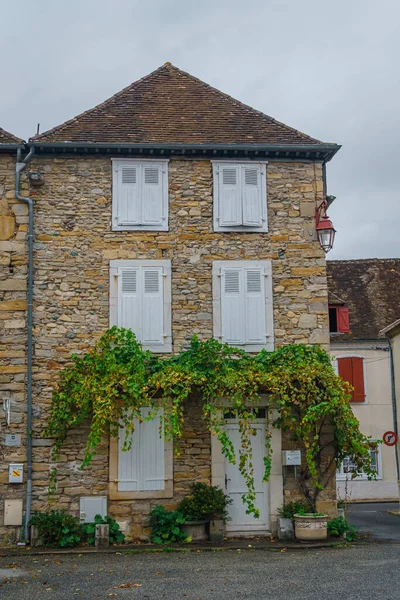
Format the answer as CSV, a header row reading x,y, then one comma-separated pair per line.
x,y
226,481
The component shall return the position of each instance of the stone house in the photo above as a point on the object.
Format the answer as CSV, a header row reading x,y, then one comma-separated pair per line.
x,y
170,208
364,297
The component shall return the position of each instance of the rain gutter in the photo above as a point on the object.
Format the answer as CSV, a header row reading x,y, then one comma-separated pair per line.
x,y
19,167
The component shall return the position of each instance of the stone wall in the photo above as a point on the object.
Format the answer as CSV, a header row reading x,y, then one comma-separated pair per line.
x,y
74,244
13,304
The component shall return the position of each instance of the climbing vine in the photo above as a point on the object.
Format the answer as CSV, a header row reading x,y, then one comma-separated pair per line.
x,y
116,378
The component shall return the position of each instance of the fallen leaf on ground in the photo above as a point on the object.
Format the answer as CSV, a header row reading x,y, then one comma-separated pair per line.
x,y
128,585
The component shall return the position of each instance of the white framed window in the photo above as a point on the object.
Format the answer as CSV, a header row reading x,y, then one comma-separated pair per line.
x,y
348,468
145,469
242,304
240,196
140,195
140,299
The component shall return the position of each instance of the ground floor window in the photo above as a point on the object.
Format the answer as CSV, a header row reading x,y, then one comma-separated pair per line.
x,y
348,468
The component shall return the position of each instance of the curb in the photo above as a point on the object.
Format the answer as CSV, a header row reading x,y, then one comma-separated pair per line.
x,y
153,548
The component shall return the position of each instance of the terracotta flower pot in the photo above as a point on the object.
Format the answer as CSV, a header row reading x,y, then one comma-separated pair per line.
x,y
310,528
196,530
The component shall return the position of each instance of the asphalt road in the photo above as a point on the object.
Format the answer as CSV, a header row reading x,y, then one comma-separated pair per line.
x,y
369,572
374,519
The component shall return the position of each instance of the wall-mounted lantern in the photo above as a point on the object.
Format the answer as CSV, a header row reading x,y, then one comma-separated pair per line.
x,y
325,229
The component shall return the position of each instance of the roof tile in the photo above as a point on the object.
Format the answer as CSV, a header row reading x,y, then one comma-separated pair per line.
x,y
8,138
172,106
371,291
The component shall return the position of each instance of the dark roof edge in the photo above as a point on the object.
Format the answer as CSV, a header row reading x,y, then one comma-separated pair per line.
x,y
322,152
12,146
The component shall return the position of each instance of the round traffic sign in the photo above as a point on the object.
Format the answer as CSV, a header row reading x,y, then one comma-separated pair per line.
x,y
390,438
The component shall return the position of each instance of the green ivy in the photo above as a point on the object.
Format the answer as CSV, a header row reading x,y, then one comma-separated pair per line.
x,y
166,525
115,534
339,527
57,528
113,380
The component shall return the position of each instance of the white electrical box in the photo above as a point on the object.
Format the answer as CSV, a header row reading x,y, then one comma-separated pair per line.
x,y
291,458
12,512
90,506
15,473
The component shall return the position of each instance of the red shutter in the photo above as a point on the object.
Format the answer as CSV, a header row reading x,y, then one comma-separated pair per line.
x,y
351,369
358,379
345,369
343,324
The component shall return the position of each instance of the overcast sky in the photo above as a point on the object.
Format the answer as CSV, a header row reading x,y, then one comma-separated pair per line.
x,y
330,69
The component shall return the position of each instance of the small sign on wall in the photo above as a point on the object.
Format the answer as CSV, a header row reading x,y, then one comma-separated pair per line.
x,y
15,473
12,439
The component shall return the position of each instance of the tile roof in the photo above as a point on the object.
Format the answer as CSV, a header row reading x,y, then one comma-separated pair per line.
x,y
8,138
172,106
371,291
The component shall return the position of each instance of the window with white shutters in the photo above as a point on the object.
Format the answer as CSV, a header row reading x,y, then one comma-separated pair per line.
x,y
240,196
140,195
242,304
142,466
140,300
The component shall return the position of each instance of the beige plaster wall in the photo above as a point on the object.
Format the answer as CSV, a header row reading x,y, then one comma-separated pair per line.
x,y
375,417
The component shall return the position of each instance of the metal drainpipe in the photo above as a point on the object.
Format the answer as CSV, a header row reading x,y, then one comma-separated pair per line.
x,y
19,167
394,406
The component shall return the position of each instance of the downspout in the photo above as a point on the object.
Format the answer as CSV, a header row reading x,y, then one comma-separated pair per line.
x,y
394,406
19,167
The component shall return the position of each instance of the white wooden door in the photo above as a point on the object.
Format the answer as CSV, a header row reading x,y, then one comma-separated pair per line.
x,y
236,487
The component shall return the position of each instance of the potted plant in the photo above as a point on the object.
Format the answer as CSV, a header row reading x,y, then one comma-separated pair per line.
x,y
203,504
286,515
310,526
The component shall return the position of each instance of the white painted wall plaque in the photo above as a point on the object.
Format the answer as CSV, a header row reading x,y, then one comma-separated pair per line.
x,y
12,439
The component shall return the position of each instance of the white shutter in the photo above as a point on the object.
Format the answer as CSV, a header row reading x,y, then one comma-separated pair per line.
x,y
152,194
232,307
129,300
152,305
252,196
229,196
129,462
255,311
128,194
142,467
152,465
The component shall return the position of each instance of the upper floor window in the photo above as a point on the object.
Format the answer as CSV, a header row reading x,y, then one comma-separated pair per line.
x,y
140,299
339,319
140,195
240,196
351,369
242,304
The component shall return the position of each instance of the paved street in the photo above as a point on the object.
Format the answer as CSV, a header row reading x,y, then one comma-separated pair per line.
x,y
375,520
367,572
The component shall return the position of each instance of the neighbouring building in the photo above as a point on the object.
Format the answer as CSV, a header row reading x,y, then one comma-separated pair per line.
x,y
174,199
364,296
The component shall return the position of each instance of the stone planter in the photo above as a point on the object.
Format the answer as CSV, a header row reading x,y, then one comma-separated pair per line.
x,y
341,512
310,528
285,531
217,530
196,530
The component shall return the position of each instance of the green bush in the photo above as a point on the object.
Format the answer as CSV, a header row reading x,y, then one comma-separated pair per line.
x,y
166,526
205,502
339,527
57,528
288,510
89,529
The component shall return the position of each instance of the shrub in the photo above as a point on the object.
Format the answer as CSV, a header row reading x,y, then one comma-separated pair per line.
x,y
339,527
166,525
115,534
57,528
205,502
288,510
